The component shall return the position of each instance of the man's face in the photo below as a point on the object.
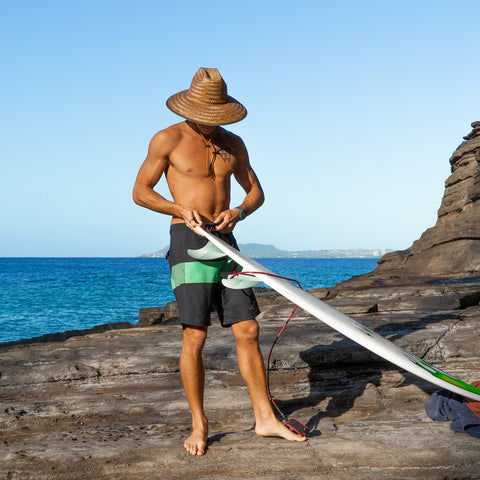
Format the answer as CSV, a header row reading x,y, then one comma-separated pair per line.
x,y
206,129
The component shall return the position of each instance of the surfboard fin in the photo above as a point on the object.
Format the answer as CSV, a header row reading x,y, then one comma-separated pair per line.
x,y
240,281
208,252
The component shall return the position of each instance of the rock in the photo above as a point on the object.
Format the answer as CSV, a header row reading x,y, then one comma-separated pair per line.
x,y
109,403
155,315
63,336
450,249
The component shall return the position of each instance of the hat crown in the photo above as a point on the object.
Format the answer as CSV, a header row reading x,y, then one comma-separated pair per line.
x,y
208,86
207,100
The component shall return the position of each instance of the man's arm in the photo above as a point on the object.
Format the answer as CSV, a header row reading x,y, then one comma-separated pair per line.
x,y
149,175
246,177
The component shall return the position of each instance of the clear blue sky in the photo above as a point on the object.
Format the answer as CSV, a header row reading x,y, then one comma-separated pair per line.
x,y
354,110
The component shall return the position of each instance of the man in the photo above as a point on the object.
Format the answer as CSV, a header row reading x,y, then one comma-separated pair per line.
x,y
198,158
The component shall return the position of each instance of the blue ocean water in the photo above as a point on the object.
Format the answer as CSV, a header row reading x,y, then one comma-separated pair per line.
x,y
50,295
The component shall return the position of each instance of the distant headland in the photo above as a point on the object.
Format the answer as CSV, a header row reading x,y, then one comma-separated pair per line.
x,y
259,250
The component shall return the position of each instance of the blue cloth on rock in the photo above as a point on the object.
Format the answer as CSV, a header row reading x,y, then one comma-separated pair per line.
x,y
444,405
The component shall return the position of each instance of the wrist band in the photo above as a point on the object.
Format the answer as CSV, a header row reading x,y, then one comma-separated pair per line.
x,y
242,213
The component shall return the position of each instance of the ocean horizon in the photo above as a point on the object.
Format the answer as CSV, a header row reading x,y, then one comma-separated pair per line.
x,y
46,295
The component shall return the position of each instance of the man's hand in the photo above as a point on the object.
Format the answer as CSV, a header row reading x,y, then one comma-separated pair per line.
x,y
192,218
227,220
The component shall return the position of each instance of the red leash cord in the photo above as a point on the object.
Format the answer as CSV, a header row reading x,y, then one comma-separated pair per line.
x,y
278,335
268,363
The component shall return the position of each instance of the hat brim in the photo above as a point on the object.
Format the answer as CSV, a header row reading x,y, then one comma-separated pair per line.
x,y
206,113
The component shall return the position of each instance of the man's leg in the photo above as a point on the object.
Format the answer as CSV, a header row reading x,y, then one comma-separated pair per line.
x,y
252,369
193,376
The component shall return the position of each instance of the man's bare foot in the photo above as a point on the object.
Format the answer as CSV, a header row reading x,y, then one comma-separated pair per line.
x,y
196,443
275,428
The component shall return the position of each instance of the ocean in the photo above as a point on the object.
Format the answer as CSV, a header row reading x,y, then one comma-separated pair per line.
x,y
39,296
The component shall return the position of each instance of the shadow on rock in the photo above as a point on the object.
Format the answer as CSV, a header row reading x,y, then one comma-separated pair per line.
x,y
341,372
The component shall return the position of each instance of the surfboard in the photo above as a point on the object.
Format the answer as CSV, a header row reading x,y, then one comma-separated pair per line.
x,y
216,248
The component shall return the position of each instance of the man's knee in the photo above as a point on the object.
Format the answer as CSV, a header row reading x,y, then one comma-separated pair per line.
x,y
194,338
246,332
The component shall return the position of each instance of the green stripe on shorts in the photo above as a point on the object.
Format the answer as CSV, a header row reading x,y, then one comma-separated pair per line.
x,y
198,272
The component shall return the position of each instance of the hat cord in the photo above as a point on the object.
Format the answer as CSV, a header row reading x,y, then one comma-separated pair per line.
x,y
209,165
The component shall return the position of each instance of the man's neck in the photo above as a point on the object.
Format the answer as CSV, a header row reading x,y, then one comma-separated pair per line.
x,y
206,131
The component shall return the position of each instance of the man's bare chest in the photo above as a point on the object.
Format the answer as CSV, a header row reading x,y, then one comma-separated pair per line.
x,y
203,160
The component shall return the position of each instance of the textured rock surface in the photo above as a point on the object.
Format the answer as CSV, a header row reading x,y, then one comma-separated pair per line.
x,y
109,404
452,247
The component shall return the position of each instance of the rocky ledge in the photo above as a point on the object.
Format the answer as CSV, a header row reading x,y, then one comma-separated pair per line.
x,y
110,404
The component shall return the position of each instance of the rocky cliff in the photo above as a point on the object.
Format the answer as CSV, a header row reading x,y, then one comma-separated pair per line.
x,y
450,249
110,405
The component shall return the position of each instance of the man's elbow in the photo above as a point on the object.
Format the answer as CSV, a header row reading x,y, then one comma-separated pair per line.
x,y
261,197
137,196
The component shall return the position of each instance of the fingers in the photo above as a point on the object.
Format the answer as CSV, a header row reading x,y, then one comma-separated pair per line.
x,y
222,221
192,224
226,221
192,219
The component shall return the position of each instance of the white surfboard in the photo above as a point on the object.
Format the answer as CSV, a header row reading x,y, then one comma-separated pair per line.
x,y
329,315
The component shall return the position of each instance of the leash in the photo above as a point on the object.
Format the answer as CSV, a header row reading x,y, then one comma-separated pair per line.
x,y
292,423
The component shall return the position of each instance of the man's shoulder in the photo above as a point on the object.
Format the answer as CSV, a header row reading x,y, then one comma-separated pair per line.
x,y
171,131
170,135
230,137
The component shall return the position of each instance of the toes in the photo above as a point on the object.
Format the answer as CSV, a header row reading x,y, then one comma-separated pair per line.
x,y
194,449
191,449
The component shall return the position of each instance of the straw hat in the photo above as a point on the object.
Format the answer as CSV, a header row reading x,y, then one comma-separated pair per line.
x,y
207,101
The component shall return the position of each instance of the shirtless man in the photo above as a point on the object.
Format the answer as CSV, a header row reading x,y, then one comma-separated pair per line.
x,y
198,158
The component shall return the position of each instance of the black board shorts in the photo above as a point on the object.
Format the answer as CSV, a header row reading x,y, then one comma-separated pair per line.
x,y
197,285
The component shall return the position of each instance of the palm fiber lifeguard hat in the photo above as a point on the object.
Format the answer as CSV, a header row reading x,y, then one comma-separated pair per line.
x,y
207,101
